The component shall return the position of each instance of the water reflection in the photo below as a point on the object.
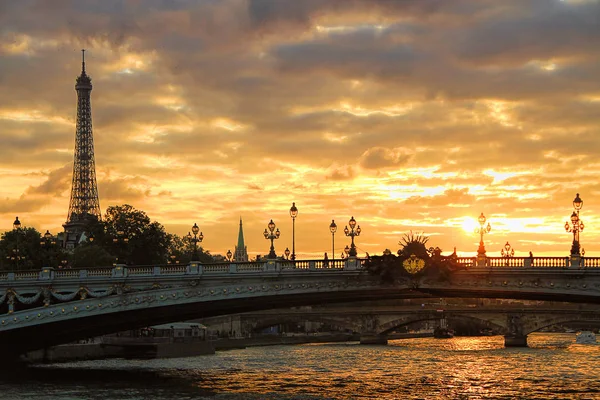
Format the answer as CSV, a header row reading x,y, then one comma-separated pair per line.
x,y
469,368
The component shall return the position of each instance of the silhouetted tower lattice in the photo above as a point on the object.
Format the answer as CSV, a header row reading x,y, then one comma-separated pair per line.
x,y
84,205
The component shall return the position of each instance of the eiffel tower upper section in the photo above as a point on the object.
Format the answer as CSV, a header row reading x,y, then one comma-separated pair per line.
x,y
84,204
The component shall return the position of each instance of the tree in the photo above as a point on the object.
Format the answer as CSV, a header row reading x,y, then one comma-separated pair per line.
x,y
130,235
90,255
182,249
23,249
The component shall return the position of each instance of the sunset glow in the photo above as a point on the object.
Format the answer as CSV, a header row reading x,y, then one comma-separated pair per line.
x,y
403,115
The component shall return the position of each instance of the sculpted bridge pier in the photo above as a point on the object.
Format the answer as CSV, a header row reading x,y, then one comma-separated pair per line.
x,y
44,308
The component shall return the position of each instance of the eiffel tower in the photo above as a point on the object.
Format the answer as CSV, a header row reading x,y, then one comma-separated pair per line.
x,y
84,206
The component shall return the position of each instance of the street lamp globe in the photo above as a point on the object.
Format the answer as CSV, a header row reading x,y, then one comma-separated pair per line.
x,y
293,211
16,224
229,255
577,203
352,223
287,253
574,217
271,225
195,229
481,219
277,233
333,226
266,234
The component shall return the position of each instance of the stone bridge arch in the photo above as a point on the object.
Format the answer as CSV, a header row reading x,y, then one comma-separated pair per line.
x,y
535,323
262,323
495,321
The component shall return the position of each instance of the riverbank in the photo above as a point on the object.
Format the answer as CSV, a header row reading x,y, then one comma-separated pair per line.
x,y
146,348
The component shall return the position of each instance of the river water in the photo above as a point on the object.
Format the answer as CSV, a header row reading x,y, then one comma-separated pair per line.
x,y
554,367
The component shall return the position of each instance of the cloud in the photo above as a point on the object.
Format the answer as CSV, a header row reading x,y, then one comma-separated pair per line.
x,y
401,112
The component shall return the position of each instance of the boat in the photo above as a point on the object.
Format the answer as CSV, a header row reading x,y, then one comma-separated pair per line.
x,y
585,337
443,333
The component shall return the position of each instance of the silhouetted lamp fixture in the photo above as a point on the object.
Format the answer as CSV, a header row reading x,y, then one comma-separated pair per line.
x,y
333,230
482,230
507,251
287,253
352,233
271,234
293,214
195,239
229,255
576,226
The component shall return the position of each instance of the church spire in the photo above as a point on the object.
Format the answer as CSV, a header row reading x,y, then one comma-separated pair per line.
x,y
241,252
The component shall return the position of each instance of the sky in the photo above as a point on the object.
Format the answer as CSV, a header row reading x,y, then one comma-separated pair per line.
x,y
408,115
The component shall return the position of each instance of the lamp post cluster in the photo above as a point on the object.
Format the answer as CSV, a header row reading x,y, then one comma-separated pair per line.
x,y
195,239
507,251
352,233
575,226
482,230
271,234
293,214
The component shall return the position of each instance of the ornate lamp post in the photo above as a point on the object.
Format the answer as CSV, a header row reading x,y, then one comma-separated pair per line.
x,y
17,256
293,214
195,239
333,229
352,232
576,226
120,238
287,253
229,255
482,230
271,234
46,242
507,251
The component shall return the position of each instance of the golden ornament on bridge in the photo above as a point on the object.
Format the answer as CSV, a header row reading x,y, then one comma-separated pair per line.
x,y
413,265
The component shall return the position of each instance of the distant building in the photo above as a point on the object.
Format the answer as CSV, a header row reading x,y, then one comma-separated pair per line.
x,y
241,251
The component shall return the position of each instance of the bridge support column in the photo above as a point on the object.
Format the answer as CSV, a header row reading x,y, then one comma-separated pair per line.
x,y
373,338
368,334
515,340
515,336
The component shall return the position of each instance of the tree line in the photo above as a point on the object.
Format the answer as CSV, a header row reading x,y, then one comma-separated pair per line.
x,y
124,235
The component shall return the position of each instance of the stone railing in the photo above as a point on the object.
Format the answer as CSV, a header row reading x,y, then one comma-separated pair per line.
x,y
282,266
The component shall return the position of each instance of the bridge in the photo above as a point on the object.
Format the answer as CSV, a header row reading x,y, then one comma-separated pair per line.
x,y
376,321
49,307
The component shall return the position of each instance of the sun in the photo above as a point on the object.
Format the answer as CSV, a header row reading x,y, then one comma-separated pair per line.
x,y
469,224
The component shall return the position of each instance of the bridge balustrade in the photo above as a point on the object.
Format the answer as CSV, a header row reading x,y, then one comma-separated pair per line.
x,y
590,262
100,272
215,268
468,262
550,262
248,267
140,271
26,275
67,273
505,262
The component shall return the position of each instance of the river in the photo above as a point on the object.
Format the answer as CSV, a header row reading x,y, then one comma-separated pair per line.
x,y
554,367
